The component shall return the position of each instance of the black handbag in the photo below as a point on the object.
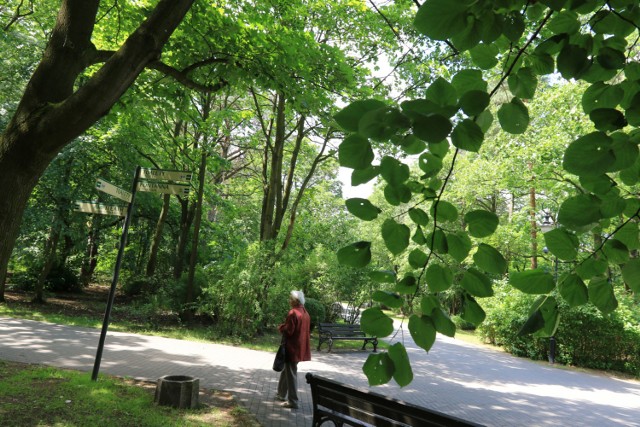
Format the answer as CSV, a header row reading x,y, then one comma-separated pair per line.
x,y
278,362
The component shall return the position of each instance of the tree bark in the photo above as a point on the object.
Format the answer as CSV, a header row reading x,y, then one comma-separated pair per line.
x,y
157,236
91,256
51,114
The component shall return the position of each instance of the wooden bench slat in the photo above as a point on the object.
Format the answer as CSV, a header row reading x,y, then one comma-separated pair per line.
x,y
328,332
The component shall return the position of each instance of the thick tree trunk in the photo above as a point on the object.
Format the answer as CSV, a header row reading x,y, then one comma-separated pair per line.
x,y
186,219
91,255
157,236
50,248
50,114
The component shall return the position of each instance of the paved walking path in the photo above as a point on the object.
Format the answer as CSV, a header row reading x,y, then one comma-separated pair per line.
x,y
471,382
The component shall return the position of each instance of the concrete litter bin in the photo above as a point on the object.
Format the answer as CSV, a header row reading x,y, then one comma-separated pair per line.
x,y
178,391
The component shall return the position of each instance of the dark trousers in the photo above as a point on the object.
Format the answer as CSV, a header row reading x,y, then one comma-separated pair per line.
x,y
288,383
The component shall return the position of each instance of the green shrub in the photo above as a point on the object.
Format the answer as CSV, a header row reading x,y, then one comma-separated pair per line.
x,y
23,281
316,311
62,278
462,324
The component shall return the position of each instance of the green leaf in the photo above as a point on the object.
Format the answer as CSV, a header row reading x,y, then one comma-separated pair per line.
x,y
349,117
396,236
431,127
600,184
601,95
383,276
589,155
562,244
378,368
441,19
467,135
407,286
476,283
362,176
628,234
362,208
439,149
459,245
484,56
417,258
532,281
611,59
484,120
607,119
411,144
573,290
390,299
489,259
418,237
572,61
469,80
514,27
615,251
481,223
393,171
471,311
444,211
430,164
541,63
601,295
591,267
523,83
382,124
612,204
550,315
375,323
439,277
474,102
564,22
428,303
397,194
437,241
534,323
443,322
355,255
419,216
355,152
514,117
631,274
442,93
402,374
579,211
422,330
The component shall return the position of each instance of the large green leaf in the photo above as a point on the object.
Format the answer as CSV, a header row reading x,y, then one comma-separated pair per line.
x,y
601,295
374,322
419,237
397,194
349,117
474,102
442,93
390,299
431,127
613,204
550,315
611,59
469,80
444,211
441,19
362,176
422,330
591,267
467,135
628,234
589,155
393,171
564,22
437,241
402,372
534,323
573,290
631,274
514,117
362,208
625,151
459,245
438,277
562,244
615,251
607,119
417,258
490,260
573,61
355,152
396,236
383,276
378,368
523,83
484,56
430,164
471,311
355,255
481,223
382,124
601,95
411,144
407,286
532,281
443,322
476,283
579,211
419,216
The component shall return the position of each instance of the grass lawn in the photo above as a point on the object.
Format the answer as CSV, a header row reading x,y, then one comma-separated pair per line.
x,y
33,395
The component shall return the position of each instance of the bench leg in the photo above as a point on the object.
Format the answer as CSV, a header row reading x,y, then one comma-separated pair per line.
x,y
330,345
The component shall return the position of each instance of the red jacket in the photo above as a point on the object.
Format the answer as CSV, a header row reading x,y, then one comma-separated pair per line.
x,y
296,329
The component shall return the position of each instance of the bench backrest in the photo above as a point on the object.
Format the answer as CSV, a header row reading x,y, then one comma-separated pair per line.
x,y
374,408
338,327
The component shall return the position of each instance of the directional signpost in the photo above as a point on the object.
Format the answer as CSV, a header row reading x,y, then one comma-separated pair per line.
x,y
161,187
100,209
163,174
107,187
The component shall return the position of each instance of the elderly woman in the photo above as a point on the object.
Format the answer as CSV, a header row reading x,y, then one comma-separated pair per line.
x,y
295,331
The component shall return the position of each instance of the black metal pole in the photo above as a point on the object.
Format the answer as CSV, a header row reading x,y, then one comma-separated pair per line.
x,y
116,274
552,340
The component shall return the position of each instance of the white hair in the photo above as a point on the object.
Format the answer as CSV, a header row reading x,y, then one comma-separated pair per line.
x,y
298,295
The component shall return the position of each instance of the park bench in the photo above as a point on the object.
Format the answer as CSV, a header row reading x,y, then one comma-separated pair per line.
x,y
329,332
342,404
